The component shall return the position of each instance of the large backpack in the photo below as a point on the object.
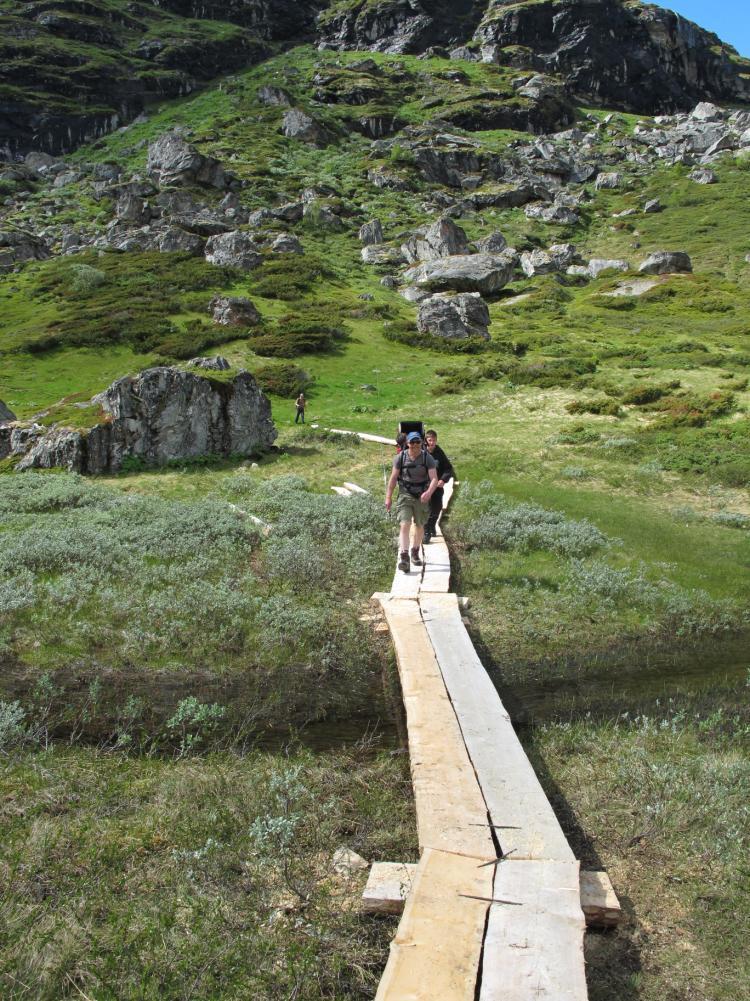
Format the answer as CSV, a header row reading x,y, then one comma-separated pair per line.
x,y
413,476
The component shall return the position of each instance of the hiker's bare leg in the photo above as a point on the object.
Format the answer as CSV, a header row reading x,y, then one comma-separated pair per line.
x,y
403,540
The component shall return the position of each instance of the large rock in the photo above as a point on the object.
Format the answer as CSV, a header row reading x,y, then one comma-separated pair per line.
x,y
600,265
547,262
6,414
174,239
17,246
443,239
664,262
371,232
236,249
172,160
297,124
160,415
483,273
454,317
233,311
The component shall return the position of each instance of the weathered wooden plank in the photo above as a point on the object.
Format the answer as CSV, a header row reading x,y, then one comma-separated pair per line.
x,y
437,567
406,585
601,908
514,796
435,955
342,491
388,886
534,950
365,437
355,489
451,811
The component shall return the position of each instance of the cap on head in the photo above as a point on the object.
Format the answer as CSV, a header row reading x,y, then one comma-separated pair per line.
x,y
413,436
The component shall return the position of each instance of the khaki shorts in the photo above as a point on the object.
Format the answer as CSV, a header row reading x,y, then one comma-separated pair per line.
x,y
410,508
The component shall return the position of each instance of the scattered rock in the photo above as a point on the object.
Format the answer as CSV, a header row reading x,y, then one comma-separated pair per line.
x,y
275,97
483,273
707,112
389,282
381,253
175,239
546,262
6,414
495,243
346,862
297,124
371,232
215,364
653,205
599,265
609,181
233,311
702,175
664,262
454,317
17,246
443,239
286,243
172,160
236,249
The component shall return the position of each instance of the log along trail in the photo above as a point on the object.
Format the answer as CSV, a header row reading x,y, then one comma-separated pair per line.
x,y
494,909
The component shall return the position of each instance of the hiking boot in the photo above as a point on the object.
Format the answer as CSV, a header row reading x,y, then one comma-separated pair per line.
x,y
415,557
403,562
427,537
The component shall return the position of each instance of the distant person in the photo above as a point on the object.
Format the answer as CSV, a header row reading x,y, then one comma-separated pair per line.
x,y
444,474
300,405
415,471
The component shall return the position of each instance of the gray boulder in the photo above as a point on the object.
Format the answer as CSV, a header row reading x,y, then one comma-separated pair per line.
x,y
274,97
17,246
483,273
6,414
495,243
653,205
56,448
289,212
560,214
233,311
600,265
454,317
173,240
236,249
133,208
663,262
609,181
172,160
381,253
371,232
216,364
286,243
702,175
707,112
297,124
443,239
547,262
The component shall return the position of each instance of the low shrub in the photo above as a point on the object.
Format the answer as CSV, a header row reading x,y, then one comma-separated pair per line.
x,y
285,380
639,396
692,410
601,407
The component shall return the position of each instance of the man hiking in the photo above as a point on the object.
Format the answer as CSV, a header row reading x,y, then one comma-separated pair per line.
x,y
415,471
444,473
300,405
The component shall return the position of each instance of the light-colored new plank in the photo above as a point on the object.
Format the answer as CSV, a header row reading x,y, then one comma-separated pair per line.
x,y
535,951
451,812
437,567
407,585
365,437
514,796
436,953
342,491
388,886
355,489
601,908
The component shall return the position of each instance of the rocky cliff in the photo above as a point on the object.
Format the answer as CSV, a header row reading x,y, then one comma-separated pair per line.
x,y
158,416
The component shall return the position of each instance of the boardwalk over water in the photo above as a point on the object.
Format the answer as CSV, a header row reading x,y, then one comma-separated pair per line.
x,y
494,911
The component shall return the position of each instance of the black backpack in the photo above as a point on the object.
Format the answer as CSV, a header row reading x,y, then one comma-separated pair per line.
x,y
406,480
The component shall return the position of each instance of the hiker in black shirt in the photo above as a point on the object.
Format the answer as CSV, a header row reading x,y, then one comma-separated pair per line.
x,y
444,472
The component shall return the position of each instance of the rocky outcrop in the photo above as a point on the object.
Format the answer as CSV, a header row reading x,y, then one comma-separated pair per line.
x,y
17,246
546,262
371,232
454,317
483,273
233,311
236,250
619,54
161,415
297,124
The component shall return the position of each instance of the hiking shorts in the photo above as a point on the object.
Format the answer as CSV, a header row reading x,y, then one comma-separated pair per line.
x,y
409,507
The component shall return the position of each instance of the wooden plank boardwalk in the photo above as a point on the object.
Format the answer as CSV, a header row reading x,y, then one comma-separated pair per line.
x,y
494,912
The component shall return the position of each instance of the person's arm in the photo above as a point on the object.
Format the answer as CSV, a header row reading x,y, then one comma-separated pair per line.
x,y
433,485
390,488
445,470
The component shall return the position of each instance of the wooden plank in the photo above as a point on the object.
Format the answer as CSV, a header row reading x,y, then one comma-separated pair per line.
x,y
451,812
437,567
365,437
388,886
535,950
342,491
436,953
514,796
406,585
355,489
601,908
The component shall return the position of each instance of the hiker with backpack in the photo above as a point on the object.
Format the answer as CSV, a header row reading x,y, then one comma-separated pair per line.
x,y
415,471
300,405
444,473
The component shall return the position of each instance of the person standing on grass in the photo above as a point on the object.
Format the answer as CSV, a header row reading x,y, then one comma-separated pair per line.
x,y
444,473
415,471
300,404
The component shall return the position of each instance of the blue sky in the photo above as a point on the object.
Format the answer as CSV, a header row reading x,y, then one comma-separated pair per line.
x,y
730,19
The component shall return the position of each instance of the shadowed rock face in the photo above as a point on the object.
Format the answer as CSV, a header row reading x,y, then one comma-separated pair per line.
x,y
160,415
406,26
646,59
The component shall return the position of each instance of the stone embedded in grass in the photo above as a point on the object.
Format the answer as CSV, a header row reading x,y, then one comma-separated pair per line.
x,y
172,160
599,266
664,262
274,97
702,175
381,253
215,364
653,205
455,317
612,180
545,262
371,232
286,243
443,239
16,247
233,311
483,273
297,124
